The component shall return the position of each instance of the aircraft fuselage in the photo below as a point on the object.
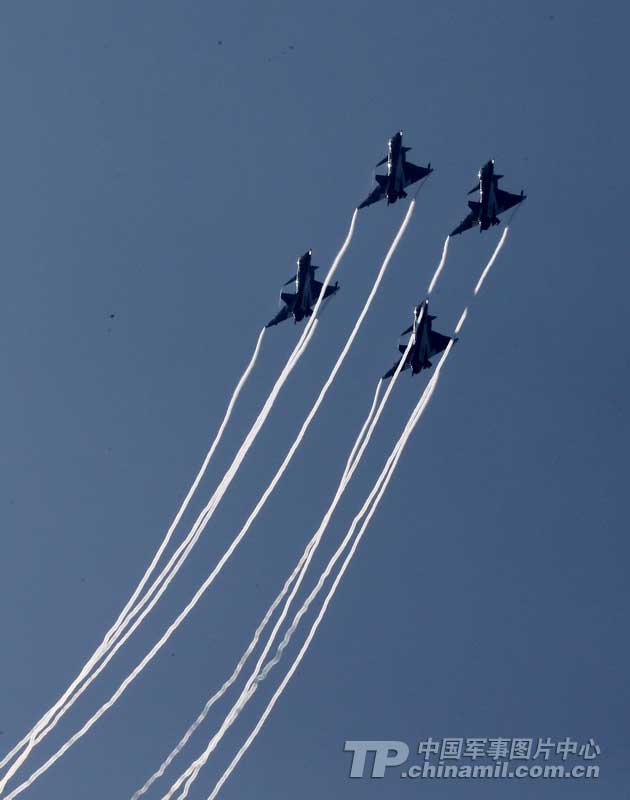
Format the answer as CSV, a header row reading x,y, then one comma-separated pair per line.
x,y
395,170
303,287
419,356
488,183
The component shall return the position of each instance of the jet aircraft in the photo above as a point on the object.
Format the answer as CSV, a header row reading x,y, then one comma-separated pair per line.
x,y
400,174
492,201
307,292
426,343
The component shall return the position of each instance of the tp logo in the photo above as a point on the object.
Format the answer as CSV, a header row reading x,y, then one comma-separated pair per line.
x,y
386,754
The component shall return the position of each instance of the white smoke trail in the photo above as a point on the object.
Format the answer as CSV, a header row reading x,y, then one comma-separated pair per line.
x,y
252,645
218,694
322,395
332,375
29,740
462,319
440,266
493,258
359,439
186,546
191,773
195,484
306,556
292,361
422,404
375,496
158,554
116,647
222,487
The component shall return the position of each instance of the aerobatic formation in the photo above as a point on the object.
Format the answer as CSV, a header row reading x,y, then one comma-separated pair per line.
x,y
303,305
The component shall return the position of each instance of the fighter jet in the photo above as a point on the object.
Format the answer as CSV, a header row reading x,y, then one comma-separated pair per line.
x,y
426,343
492,201
307,291
400,174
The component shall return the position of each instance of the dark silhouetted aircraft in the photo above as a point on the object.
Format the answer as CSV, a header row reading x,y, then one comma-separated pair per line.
x,y
400,174
492,201
426,343
307,291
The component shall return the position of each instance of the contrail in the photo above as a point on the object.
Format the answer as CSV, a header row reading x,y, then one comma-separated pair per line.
x,y
493,258
360,445
112,647
381,485
313,411
237,540
110,655
375,495
354,458
30,737
462,319
252,645
194,485
196,597
218,694
168,573
440,266
368,419
243,531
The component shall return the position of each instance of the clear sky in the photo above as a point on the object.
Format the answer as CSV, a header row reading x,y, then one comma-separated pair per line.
x,y
166,163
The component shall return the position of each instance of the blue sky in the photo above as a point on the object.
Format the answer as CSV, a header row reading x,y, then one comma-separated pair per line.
x,y
166,163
